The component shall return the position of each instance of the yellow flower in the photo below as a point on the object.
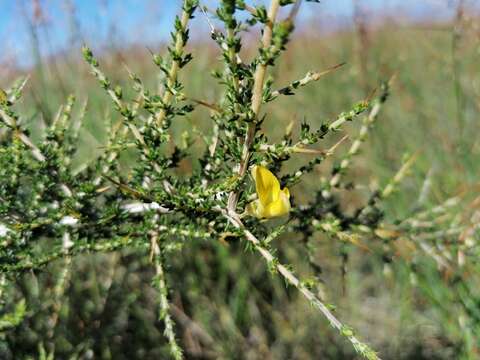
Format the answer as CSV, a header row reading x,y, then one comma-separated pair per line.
x,y
272,201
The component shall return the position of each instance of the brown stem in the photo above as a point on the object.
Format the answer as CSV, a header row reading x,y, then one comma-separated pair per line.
x,y
259,80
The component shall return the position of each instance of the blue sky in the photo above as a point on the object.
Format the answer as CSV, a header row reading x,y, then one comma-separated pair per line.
x,y
148,21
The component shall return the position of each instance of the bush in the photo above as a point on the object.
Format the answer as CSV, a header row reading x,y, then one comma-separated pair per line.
x,y
138,199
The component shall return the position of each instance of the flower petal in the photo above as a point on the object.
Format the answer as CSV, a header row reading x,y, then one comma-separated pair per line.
x,y
277,208
267,185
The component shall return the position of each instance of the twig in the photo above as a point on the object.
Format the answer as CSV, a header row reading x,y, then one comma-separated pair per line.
x,y
161,285
361,348
173,72
309,77
259,79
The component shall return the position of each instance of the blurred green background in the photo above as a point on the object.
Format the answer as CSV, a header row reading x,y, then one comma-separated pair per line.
x,y
225,303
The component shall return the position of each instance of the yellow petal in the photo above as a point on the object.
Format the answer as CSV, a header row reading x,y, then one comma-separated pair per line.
x,y
266,184
272,201
279,207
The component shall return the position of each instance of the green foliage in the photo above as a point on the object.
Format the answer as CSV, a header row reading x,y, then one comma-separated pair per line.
x,y
137,199
14,318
